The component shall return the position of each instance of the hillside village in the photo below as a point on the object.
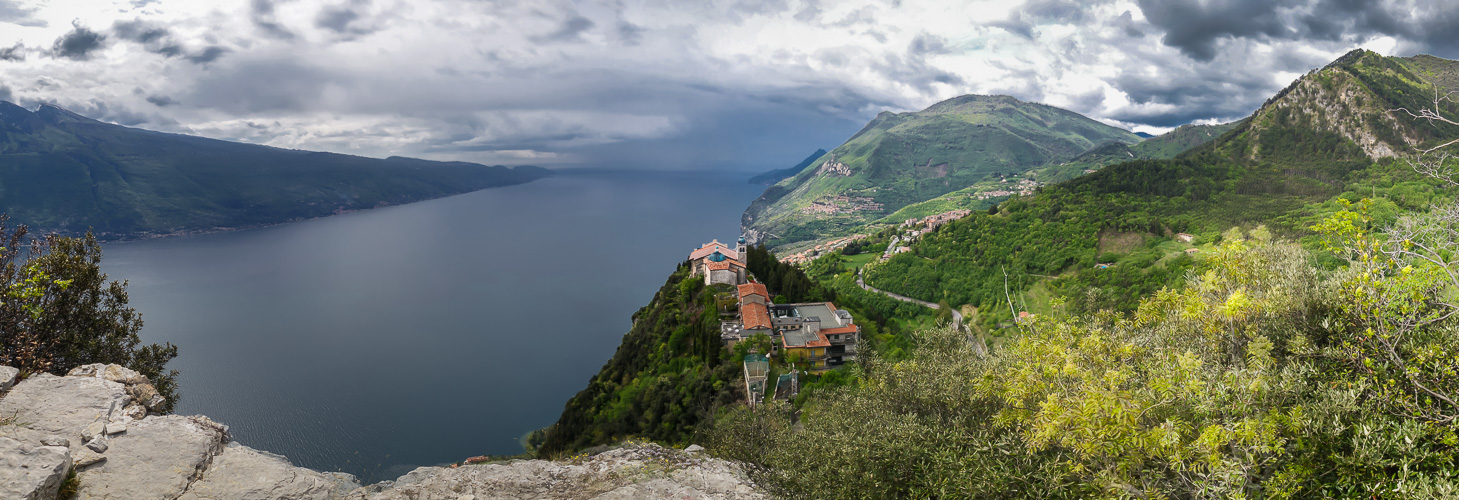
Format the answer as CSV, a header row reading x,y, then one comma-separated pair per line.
x,y
908,231
811,337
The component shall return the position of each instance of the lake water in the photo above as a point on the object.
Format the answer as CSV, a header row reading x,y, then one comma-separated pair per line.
x,y
379,341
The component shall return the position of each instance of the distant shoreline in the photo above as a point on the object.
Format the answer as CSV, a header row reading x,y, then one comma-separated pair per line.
x,y
133,237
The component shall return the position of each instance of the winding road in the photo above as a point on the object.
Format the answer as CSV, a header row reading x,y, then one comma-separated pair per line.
x,y
957,317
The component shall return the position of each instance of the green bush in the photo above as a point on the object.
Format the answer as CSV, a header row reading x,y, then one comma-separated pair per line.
x,y
58,311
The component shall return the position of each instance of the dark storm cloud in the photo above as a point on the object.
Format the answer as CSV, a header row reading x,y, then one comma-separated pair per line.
x,y
926,43
1126,24
161,100
139,31
1198,27
13,53
11,12
261,12
337,19
207,55
345,19
159,40
78,44
571,30
629,33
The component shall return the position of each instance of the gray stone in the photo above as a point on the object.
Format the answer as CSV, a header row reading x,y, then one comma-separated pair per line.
x,y
694,448
112,372
56,441
116,426
135,411
631,472
31,472
86,458
93,430
7,377
60,405
158,457
138,388
245,473
97,445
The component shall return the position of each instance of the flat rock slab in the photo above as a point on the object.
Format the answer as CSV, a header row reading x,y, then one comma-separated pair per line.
x,y
29,472
157,458
243,473
61,405
633,472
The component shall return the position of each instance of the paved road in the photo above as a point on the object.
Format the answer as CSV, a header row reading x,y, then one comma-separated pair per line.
x,y
957,317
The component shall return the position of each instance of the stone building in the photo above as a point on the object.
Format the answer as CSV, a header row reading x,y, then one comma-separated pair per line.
x,y
718,263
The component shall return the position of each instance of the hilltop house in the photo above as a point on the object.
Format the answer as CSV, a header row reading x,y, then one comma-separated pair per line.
x,y
719,263
817,333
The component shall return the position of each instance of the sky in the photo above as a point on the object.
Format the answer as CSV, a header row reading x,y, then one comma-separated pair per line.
x,y
692,84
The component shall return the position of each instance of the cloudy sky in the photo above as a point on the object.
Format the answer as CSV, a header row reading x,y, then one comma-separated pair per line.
x,y
748,85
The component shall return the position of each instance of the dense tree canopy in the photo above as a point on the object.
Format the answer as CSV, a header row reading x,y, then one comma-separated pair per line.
x,y
1263,377
58,311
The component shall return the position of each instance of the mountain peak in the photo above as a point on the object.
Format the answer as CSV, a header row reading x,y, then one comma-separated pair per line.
x,y
14,117
964,102
1351,98
55,114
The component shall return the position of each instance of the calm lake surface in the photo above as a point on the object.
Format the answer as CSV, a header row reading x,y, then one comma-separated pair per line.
x,y
379,341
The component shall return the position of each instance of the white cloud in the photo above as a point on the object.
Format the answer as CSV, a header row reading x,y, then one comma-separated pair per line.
x,y
561,81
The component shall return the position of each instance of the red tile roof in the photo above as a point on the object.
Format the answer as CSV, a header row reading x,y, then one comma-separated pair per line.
x,y
839,330
754,315
748,289
709,249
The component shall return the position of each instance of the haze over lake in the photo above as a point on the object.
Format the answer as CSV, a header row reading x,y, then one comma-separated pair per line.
x,y
378,341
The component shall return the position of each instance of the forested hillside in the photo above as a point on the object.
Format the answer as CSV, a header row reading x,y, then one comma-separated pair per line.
x,y
60,171
668,375
1263,376
1284,167
906,158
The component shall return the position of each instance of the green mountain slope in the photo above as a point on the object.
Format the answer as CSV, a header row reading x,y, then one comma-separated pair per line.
x,y
1161,147
903,158
1328,135
1164,146
60,171
774,176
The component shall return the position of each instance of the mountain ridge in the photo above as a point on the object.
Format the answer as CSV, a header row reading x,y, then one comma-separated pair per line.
x,y
972,144
67,173
1326,137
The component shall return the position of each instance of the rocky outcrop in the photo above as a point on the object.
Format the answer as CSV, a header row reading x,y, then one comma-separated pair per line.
x,y
157,457
95,421
635,471
32,471
243,472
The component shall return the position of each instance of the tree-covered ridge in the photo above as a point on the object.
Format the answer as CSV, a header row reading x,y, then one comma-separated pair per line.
x,y
60,171
906,158
1264,376
1282,168
1161,147
666,378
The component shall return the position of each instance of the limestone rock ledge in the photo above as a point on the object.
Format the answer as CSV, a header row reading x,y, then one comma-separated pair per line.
x,y
97,421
